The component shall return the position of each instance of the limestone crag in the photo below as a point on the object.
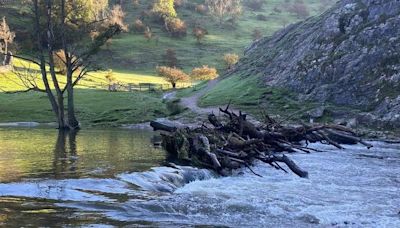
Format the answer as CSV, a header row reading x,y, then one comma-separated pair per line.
x,y
348,56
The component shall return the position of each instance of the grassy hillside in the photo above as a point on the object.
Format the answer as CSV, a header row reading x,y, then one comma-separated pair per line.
x,y
132,52
133,60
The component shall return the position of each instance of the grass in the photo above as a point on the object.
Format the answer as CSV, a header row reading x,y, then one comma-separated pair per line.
x,y
245,93
93,107
133,53
133,60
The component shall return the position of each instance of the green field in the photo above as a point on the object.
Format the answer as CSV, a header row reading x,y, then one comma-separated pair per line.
x,y
133,60
93,107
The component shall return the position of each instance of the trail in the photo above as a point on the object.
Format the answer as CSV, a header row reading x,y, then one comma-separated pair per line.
x,y
192,101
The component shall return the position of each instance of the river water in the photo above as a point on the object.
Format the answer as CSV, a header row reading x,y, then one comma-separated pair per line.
x,y
108,178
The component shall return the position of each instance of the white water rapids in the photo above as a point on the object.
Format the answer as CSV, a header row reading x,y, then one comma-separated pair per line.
x,y
355,187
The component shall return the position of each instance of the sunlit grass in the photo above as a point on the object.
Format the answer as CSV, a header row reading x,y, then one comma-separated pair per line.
x,y
11,80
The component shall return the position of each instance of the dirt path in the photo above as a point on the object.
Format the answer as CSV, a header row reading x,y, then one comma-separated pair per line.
x,y
192,101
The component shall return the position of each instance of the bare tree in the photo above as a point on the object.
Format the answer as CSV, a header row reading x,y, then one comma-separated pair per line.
x,y
56,28
224,8
6,38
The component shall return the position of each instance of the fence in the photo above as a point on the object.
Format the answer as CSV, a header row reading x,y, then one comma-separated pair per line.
x,y
151,87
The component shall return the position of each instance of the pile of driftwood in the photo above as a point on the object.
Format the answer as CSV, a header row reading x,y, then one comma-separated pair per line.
x,y
233,142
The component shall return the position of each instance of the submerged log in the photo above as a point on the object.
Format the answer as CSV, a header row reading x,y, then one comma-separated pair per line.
x,y
235,142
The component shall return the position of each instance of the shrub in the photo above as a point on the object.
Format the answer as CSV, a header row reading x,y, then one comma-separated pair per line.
x,y
93,35
179,3
277,10
139,26
224,8
199,33
110,80
201,8
255,4
231,59
135,3
117,17
256,34
170,58
164,8
299,9
261,17
204,73
148,34
176,27
172,75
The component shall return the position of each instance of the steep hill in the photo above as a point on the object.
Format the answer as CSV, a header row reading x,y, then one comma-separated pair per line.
x,y
347,57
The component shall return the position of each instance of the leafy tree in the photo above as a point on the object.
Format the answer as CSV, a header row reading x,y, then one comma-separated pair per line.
x,y
139,26
224,8
204,73
164,8
176,27
116,17
63,25
6,36
199,33
231,59
172,75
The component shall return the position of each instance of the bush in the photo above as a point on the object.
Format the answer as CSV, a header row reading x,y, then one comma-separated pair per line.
x,y
255,4
199,33
204,73
299,9
179,3
93,35
170,58
139,26
256,34
148,34
231,59
164,8
135,3
176,27
201,9
111,80
172,75
261,17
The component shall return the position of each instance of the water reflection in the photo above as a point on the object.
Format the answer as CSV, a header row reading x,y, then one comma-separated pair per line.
x,y
65,159
47,153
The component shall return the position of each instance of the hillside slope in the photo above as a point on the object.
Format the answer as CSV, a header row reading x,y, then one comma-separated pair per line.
x,y
349,56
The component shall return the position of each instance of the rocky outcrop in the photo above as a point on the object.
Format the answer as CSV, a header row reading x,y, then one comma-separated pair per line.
x,y
348,56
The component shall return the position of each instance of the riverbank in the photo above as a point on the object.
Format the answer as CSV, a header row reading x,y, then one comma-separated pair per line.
x,y
94,108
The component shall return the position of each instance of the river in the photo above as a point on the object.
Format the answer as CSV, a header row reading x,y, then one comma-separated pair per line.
x,y
113,178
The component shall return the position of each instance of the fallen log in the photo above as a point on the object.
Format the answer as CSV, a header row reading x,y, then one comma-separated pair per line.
x,y
234,142
162,126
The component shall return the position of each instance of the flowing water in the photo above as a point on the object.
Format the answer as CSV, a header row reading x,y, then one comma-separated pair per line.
x,y
107,178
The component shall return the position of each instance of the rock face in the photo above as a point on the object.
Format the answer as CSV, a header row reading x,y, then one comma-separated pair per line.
x,y
349,56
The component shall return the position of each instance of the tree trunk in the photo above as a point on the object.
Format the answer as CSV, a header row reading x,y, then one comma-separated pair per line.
x,y
5,52
55,103
173,85
72,121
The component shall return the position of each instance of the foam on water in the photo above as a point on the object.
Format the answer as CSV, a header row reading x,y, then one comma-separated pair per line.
x,y
353,187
